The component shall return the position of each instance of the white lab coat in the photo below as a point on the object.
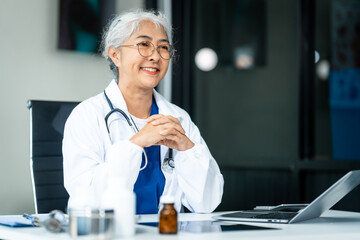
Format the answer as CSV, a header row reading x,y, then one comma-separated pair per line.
x,y
92,157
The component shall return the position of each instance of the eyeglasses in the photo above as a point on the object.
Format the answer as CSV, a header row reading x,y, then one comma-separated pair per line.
x,y
146,49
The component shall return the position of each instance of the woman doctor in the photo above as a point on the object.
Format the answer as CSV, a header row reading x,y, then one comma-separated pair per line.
x,y
135,140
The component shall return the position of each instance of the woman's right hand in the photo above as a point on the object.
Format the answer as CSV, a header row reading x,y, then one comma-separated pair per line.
x,y
147,136
163,130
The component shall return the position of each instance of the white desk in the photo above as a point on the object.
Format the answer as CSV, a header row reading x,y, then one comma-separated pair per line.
x,y
332,225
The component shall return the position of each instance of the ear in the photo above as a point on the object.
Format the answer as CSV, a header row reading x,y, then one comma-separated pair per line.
x,y
114,55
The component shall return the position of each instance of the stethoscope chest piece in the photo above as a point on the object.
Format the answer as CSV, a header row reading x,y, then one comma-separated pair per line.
x,y
169,163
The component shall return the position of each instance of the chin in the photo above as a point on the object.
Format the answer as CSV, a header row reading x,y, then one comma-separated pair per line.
x,y
151,82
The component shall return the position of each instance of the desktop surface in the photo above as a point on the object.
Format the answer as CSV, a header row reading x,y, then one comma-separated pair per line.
x,y
331,225
207,226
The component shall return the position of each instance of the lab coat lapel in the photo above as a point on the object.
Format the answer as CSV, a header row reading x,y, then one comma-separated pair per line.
x,y
165,108
115,96
118,101
119,128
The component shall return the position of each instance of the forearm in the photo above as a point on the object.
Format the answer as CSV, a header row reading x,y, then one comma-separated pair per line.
x,y
199,177
86,172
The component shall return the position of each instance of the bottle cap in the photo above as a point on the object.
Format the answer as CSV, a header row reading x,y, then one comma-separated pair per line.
x,y
167,199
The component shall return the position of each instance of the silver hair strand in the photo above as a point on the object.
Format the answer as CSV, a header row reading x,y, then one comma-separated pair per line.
x,y
124,25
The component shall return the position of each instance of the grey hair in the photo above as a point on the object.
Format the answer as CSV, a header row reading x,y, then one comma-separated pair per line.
x,y
125,24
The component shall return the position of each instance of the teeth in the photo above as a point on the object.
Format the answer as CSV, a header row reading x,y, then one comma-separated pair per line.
x,y
150,69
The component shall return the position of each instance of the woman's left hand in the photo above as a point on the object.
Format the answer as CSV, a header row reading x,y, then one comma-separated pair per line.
x,y
173,132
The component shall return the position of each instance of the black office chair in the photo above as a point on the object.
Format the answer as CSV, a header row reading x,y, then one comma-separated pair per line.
x,y
47,121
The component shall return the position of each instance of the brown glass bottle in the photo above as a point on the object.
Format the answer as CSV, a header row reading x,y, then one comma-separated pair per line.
x,y
168,217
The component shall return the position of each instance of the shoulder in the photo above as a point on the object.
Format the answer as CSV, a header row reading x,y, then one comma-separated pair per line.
x,y
89,109
168,108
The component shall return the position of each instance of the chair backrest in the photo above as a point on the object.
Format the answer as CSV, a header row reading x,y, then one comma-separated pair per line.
x,y
47,121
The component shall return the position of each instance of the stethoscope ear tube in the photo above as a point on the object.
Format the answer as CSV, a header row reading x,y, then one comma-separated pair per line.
x,y
122,113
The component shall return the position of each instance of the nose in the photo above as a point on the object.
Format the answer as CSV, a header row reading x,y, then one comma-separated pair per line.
x,y
155,57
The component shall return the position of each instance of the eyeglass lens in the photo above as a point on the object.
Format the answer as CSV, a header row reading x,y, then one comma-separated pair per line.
x,y
146,49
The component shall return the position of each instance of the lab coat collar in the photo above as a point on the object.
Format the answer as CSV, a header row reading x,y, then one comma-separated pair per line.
x,y
165,107
115,96
118,101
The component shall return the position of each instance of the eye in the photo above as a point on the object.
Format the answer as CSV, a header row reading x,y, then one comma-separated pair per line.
x,y
144,44
165,47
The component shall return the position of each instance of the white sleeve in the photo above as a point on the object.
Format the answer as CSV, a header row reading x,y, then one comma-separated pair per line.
x,y
198,175
88,163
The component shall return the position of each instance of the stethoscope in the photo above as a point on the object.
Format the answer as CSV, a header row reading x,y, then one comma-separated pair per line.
x,y
168,164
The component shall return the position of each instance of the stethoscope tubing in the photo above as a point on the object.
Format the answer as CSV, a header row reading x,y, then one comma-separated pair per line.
x,y
168,162
115,110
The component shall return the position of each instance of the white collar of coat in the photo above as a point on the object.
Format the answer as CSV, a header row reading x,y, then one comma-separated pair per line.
x,y
118,101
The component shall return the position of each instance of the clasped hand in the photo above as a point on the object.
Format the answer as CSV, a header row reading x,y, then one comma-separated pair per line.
x,y
163,130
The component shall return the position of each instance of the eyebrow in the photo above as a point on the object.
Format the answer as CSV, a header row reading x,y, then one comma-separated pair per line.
x,y
150,38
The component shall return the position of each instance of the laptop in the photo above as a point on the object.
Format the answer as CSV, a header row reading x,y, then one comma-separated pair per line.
x,y
293,213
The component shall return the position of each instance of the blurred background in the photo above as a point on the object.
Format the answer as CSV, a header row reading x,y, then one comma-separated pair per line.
x,y
273,85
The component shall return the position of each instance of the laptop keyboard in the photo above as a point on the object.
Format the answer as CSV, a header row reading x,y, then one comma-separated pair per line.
x,y
276,215
264,215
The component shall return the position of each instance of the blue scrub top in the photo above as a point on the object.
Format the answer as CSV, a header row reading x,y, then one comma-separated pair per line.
x,y
150,183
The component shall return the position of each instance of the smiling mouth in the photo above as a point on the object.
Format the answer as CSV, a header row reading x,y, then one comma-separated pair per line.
x,y
150,69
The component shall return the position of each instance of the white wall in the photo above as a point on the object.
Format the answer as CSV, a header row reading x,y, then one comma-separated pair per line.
x,y
31,67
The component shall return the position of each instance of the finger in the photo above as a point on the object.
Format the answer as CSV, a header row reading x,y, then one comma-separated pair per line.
x,y
170,131
147,136
166,123
159,119
163,142
169,121
168,143
158,143
174,119
171,128
154,117
178,142
172,141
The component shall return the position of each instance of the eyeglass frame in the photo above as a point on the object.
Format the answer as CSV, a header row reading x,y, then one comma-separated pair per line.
x,y
171,51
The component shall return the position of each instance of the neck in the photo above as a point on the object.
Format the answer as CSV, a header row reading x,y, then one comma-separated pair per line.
x,y
138,101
